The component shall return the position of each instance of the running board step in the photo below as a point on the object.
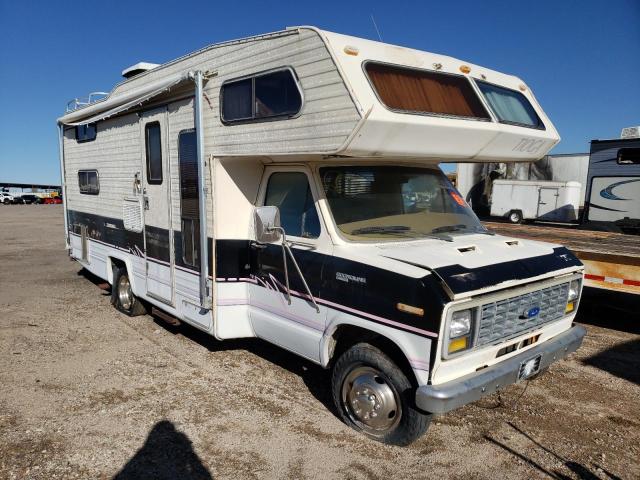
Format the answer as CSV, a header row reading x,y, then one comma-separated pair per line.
x,y
165,317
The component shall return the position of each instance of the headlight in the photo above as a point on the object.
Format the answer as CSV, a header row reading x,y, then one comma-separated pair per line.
x,y
460,324
460,331
574,290
572,297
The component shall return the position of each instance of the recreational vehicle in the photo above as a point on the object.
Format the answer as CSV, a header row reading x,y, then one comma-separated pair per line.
x,y
612,200
286,186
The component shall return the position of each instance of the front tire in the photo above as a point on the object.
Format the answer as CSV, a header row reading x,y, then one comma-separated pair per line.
x,y
374,396
122,296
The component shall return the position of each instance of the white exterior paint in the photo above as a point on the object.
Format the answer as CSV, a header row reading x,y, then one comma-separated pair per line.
x,y
340,116
539,200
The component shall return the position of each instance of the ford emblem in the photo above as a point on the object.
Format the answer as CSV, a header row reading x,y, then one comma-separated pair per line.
x,y
532,312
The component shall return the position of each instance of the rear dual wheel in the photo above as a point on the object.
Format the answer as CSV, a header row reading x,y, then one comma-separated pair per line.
x,y
122,296
375,397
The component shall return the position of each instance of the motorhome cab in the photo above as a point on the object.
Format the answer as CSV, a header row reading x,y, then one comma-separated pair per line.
x,y
286,186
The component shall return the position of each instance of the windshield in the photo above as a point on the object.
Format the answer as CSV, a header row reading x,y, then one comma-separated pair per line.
x,y
394,202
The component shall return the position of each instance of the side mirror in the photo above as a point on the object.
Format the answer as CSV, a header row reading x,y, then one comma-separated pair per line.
x,y
267,224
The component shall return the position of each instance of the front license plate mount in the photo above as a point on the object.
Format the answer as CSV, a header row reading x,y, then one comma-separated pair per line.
x,y
529,368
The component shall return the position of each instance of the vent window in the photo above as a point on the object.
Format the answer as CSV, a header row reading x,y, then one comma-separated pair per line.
x,y
415,91
510,106
261,97
86,133
88,182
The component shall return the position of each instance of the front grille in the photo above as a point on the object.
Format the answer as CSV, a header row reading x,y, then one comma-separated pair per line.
x,y
507,318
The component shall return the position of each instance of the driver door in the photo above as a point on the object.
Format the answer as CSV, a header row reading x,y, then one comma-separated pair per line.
x,y
290,320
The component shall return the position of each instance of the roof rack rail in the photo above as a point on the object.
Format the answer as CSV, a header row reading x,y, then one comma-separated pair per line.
x,y
79,102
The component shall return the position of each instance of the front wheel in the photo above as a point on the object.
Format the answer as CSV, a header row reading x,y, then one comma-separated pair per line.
x,y
375,397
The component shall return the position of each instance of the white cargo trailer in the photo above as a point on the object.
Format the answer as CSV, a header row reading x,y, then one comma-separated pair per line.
x,y
286,186
519,200
475,180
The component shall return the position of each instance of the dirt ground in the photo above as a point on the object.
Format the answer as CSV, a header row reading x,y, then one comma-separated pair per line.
x,y
86,392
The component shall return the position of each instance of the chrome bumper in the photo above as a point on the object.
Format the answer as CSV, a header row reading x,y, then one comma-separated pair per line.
x,y
456,393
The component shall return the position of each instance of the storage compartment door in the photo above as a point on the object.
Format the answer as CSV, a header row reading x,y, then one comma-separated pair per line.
x,y
548,203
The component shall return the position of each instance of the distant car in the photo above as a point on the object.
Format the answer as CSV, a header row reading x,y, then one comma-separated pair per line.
x,y
29,199
6,199
52,200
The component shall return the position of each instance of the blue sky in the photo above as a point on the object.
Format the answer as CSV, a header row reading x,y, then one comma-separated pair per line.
x,y
581,58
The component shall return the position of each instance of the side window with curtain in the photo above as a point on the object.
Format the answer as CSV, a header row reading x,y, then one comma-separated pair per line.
x,y
291,193
189,200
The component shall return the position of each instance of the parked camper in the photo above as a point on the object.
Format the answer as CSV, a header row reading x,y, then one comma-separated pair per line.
x,y
518,200
286,187
613,185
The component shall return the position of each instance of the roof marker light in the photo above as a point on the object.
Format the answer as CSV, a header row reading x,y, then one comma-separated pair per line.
x,y
523,87
465,68
349,50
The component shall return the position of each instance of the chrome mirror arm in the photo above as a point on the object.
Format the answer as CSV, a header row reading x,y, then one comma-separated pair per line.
x,y
285,247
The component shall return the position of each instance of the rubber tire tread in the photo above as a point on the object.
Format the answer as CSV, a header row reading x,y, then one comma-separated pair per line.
x,y
520,217
413,424
137,307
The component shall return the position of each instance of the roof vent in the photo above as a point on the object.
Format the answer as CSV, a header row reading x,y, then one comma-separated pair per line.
x,y
630,132
138,68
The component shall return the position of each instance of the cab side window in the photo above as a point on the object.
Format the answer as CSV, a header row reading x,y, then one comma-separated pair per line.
x,y
291,193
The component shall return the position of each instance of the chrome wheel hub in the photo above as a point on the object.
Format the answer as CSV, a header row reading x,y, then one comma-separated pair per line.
x,y
371,402
125,295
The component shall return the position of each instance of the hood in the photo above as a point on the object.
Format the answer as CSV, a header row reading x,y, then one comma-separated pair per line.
x,y
478,263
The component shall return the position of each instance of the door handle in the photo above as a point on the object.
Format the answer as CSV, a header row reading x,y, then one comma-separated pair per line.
x,y
258,246
302,245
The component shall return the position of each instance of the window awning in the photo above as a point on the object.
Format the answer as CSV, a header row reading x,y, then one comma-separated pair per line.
x,y
112,106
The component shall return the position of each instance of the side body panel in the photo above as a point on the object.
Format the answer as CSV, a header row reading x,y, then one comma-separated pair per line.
x,y
613,189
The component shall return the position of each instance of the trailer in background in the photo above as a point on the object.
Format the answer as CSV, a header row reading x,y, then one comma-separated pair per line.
x,y
612,199
518,200
475,181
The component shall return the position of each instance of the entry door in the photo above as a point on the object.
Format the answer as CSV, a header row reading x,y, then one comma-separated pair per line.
x,y
547,203
157,205
298,325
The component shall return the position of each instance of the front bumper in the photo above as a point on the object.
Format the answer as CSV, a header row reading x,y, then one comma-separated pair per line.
x,y
456,393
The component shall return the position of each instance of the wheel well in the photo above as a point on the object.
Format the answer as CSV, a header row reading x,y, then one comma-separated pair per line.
x,y
115,262
347,336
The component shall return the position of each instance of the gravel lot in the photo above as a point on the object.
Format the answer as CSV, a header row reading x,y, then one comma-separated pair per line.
x,y
87,392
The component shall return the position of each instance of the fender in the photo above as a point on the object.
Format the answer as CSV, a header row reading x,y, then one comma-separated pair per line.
x,y
415,348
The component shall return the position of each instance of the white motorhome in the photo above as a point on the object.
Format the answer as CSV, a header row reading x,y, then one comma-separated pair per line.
x,y
286,186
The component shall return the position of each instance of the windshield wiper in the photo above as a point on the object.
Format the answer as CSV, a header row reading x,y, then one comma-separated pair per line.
x,y
381,229
461,227
449,228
